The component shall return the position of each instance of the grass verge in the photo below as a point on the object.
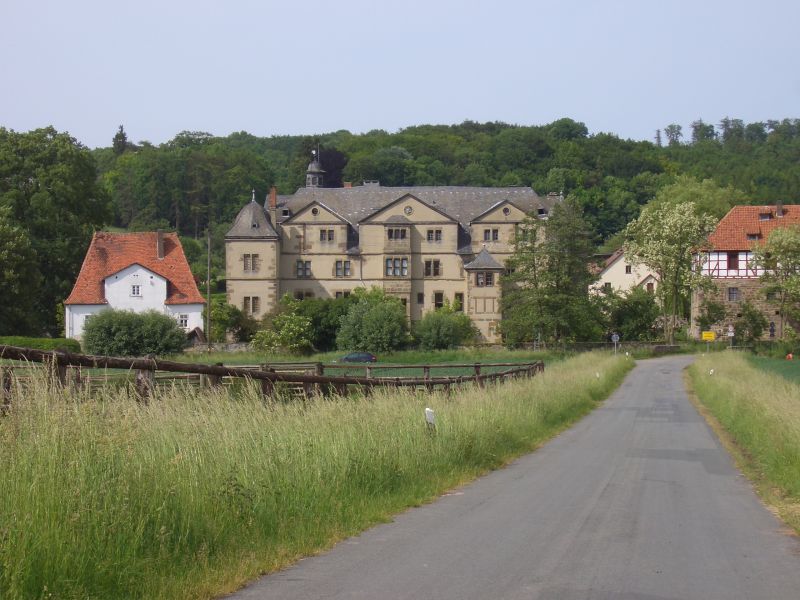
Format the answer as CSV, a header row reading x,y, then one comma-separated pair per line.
x,y
201,491
757,416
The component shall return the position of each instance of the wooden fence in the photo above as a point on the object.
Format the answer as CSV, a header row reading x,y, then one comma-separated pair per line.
x,y
67,369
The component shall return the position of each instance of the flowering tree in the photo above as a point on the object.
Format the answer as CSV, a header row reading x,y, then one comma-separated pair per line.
x,y
665,238
780,259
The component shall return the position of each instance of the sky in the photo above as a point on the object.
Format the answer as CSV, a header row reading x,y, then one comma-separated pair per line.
x,y
291,68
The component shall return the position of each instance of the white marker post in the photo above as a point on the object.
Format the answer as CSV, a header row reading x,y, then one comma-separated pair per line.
x,y
430,420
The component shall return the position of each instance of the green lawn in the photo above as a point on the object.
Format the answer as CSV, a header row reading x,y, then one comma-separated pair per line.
x,y
788,369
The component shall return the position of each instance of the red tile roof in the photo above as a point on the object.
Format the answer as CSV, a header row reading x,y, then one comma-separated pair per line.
x,y
741,221
109,253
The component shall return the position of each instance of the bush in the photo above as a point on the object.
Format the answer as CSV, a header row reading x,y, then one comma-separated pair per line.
x,y
444,328
375,323
226,318
288,331
750,325
125,333
326,318
634,315
67,345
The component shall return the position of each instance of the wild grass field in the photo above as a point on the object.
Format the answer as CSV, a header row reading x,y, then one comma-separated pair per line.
x,y
759,410
202,490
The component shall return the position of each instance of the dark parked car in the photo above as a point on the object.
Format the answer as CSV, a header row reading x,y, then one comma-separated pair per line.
x,y
359,357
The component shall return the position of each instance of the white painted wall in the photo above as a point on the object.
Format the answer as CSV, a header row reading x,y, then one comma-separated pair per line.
x,y
118,292
152,287
620,280
194,312
75,318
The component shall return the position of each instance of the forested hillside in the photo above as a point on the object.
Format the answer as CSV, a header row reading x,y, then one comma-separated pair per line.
x,y
54,192
196,177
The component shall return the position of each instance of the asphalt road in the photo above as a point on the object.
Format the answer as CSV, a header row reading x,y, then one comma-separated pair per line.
x,y
638,501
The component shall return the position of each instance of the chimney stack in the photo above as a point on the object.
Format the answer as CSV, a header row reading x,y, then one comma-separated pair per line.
x,y
160,244
779,209
273,197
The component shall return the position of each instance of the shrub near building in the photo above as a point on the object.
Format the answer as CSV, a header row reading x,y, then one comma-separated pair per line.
x,y
125,333
444,328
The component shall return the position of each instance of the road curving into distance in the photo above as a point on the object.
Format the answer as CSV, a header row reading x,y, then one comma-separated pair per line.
x,y
638,501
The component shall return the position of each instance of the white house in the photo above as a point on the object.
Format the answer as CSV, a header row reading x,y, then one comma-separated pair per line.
x,y
138,272
618,274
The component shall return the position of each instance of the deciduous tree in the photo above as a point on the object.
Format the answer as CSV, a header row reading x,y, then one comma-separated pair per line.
x,y
664,238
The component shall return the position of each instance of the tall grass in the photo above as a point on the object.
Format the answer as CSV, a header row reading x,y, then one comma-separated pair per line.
x,y
761,412
200,491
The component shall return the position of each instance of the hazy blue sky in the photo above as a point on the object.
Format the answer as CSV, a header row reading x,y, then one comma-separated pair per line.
x,y
290,67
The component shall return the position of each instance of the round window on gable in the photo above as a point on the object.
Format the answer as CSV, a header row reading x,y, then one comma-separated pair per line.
x,y
408,210
506,211
315,211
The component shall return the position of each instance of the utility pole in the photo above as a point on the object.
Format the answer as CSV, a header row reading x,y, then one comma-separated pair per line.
x,y
208,289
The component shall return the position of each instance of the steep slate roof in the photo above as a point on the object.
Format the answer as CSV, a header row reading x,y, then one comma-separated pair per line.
x,y
109,253
462,203
732,230
484,262
601,267
252,223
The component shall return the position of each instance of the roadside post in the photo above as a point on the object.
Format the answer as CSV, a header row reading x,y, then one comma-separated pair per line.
x,y
708,337
730,334
615,339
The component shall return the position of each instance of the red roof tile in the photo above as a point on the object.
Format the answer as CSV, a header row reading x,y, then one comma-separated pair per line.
x,y
109,253
741,221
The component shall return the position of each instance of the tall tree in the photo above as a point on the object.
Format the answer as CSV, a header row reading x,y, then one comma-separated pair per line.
x,y
664,238
120,141
702,132
780,259
674,133
19,278
547,294
48,181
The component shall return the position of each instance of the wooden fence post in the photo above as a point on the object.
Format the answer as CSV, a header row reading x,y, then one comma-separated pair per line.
x,y
6,374
145,383
478,379
426,375
215,380
267,385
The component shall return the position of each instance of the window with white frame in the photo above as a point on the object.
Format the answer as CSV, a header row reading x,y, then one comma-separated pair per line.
x,y
250,263
136,290
484,279
396,267
434,235
342,268
183,321
432,268
303,268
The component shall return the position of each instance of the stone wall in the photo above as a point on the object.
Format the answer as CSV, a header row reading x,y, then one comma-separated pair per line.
x,y
749,290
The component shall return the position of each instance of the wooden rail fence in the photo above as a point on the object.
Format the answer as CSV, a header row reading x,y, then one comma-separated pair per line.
x,y
67,370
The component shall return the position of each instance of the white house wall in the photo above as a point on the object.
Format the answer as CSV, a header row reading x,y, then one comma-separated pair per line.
x,y
193,312
118,293
75,318
620,280
152,288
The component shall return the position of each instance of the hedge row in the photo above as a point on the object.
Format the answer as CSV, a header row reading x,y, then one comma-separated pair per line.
x,y
41,343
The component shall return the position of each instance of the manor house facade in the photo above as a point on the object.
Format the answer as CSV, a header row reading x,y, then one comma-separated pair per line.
x,y
425,245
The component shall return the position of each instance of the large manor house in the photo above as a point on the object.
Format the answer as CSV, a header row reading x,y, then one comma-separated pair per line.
x,y
424,245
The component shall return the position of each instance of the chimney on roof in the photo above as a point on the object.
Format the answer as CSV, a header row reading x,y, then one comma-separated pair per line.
x,y
272,202
779,209
160,244
348,184
273,197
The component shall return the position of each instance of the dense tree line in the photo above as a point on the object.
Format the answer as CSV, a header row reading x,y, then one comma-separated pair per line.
x,y
54,191
196,178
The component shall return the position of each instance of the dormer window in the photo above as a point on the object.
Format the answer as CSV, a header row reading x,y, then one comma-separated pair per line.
x,y
764,216
285,212
542,212
254,225
753,236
